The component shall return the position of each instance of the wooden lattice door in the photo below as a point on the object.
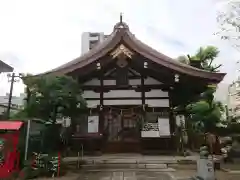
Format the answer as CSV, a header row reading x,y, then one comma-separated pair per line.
x,y
123,132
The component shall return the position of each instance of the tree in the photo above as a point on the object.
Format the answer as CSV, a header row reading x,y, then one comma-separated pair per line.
x,y
205,113
49,97
204,56
228,19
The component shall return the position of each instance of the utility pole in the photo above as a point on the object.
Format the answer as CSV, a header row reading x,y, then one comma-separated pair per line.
x,y
12,79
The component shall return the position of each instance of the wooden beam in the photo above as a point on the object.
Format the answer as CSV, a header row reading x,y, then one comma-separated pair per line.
x,y
101,90
101,114
107,88
114,78
124,98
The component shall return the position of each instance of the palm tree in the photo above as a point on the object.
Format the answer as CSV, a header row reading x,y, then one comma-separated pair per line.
x,y
204,57
205,113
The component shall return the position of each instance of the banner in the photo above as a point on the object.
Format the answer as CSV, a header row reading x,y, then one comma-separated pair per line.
x,y
93,122
163,126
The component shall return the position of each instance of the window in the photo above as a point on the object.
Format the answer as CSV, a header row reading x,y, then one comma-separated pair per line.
x,y
92,43
94,35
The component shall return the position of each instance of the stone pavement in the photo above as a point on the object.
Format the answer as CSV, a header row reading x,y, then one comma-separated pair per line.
x,y
124,175
131,158
119,175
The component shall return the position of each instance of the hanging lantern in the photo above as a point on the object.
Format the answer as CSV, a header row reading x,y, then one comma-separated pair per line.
x,y
144,107
145,64
180,120
98,66
176,78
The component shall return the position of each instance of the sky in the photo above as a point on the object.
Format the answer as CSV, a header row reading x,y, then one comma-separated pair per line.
x,y
38,35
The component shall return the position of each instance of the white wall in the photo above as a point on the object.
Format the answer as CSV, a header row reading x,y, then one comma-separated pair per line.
x,y
156,93
121,93
126,94
157,102
90,94
133,82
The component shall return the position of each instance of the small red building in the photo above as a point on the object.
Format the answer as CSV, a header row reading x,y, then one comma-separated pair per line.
x,y
10,155
131,90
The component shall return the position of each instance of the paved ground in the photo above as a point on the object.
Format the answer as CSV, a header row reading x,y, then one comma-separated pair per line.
x,y
220,175
180,175
127,175
131,158
114,176
183,171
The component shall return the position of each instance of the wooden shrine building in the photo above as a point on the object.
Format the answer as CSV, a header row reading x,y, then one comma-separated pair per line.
x,y
131,90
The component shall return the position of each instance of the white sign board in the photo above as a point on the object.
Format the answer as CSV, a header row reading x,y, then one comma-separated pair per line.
x,y
150,130
164,127
93,122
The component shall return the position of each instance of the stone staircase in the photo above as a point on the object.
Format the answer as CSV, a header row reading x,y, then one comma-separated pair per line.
x,y
124,164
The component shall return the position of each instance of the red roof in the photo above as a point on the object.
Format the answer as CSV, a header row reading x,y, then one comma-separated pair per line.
x,y
10,125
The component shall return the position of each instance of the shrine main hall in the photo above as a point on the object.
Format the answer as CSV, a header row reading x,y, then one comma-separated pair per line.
x,y
131,91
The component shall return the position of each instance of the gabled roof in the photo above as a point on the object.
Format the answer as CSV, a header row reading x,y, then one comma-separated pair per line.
x,y
121,34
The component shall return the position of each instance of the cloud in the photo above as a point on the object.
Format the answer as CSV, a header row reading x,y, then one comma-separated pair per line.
x,y
38,35
161,36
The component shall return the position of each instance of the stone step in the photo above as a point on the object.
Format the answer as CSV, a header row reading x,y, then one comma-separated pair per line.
x,y
124,166
120,161
131,170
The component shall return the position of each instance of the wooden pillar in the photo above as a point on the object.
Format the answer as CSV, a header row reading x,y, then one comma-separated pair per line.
x,y
101,112
143,111
142,90
172,120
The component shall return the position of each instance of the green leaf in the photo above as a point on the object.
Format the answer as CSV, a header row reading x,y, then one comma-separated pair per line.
x,y
51,96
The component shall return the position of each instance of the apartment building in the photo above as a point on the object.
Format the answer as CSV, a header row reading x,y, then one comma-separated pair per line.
x,y
17,101
234,99
90,39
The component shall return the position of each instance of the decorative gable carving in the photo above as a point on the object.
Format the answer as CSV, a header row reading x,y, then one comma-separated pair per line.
x,y
122,50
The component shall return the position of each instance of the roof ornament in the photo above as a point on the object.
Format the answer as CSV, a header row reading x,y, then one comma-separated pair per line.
x,y
121,24
121,18
121,49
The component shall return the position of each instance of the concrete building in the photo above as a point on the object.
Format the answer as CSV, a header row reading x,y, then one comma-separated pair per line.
x,y
90,39
3,109
234,99
17,101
